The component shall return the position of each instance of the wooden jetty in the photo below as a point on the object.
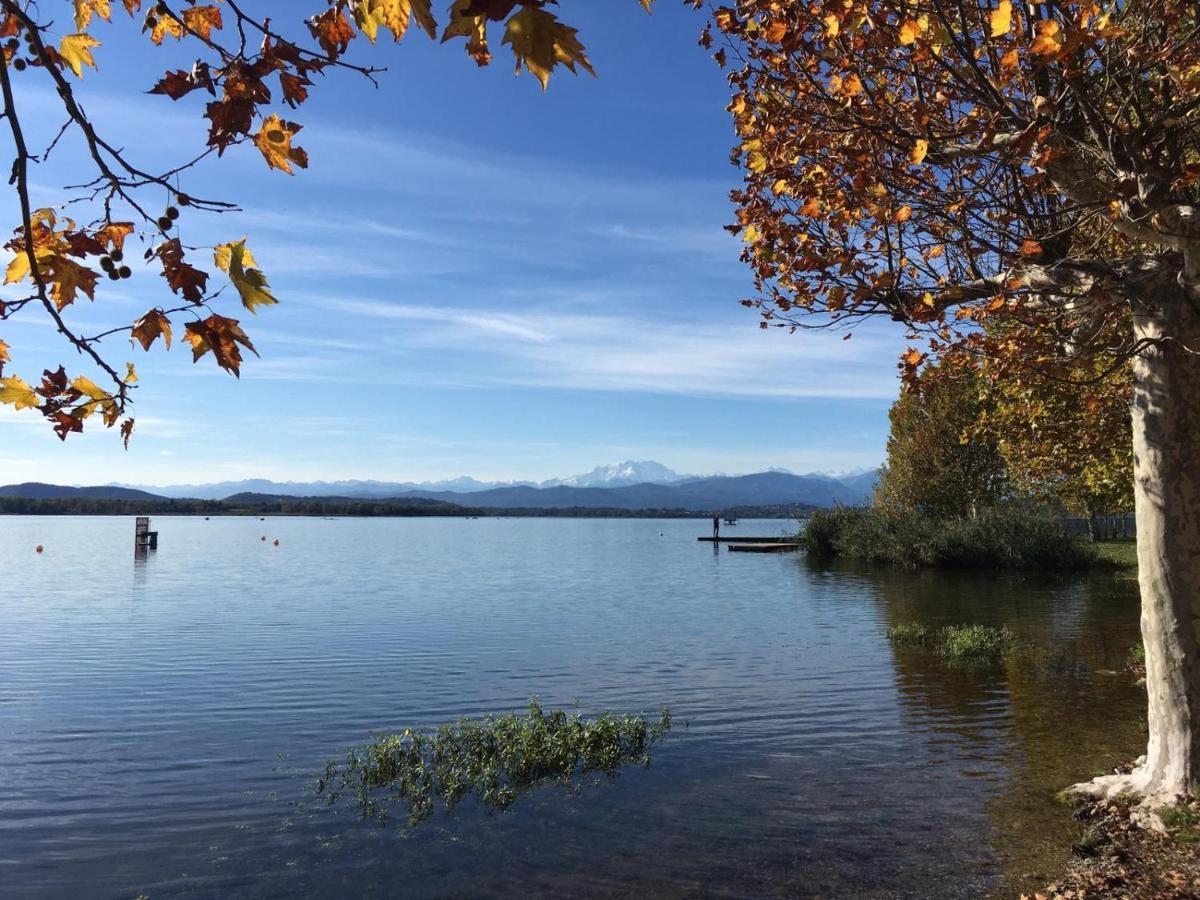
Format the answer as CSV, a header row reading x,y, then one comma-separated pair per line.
x,y
743,540
764,548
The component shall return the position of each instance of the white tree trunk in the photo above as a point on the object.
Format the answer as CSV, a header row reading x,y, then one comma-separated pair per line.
x,y
1166,450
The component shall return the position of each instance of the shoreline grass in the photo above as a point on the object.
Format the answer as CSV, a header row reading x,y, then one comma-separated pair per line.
x,y
1005,538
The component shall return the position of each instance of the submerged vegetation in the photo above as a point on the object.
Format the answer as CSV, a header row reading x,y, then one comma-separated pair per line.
x,y
495,759
1004,537
961,644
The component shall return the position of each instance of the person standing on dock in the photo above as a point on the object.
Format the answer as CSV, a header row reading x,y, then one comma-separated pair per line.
x,y
716,526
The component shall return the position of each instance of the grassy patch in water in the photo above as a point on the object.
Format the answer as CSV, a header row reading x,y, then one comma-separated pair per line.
x,y
961,644
495,759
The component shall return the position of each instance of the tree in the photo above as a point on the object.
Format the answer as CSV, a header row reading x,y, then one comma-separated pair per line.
x,y
939,461
1066,438
954,164
252,71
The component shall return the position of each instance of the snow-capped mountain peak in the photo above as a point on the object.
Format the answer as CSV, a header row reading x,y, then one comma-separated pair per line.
x,y
619,474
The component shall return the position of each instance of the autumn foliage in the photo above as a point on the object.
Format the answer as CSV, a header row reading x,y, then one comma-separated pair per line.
x,y
951,164
253,74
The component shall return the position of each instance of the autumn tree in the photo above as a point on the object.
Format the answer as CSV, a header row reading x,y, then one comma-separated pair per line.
x,y
954,164
940,462
244,74
1066,438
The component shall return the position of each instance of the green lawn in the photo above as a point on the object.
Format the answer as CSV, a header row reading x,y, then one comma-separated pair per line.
x,y
1121,553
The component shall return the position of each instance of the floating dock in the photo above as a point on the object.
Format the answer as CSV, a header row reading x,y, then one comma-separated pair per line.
x,y
761,547
744,540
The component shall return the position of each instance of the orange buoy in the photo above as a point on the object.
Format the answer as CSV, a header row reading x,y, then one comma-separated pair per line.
x,y
39,548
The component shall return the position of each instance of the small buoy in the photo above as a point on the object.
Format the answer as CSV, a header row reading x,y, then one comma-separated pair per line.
x,y
39,548
261,519
276,542
263,538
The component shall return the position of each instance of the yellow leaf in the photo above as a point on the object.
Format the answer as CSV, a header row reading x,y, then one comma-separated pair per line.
x,y
4,357
202,20
395,15
163,25
86,386
18,268
908,32
540,41
832,25
647,4
75,49
903,214
16,393
1001,19
67,278
84,9
130,373
1048,41
274,141
235,259
920,149
1009,60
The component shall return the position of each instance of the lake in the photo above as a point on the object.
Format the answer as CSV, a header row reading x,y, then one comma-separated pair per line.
x,y
161,720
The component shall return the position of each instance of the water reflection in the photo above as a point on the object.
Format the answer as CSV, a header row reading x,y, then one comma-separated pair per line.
x,y
1028,728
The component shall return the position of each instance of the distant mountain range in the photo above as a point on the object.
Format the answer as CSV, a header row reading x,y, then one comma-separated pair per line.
x,y
616,475
624,486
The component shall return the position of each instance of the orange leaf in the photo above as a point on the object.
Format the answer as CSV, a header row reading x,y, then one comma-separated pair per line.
x,y
274,141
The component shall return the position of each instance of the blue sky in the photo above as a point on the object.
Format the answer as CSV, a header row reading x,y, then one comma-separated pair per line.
x,y
475,278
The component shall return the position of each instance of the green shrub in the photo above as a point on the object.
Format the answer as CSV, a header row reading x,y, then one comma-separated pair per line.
x,y
1005,537
495,758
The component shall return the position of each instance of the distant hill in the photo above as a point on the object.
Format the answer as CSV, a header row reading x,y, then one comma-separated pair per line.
x,y
33,490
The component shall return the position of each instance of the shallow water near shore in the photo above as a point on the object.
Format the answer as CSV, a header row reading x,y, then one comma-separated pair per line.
x,y
161,718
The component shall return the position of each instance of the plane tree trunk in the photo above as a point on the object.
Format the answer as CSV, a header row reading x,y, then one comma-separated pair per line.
x,y
1166,445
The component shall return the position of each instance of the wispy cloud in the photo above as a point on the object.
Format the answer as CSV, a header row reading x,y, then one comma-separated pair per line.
x,y
581,351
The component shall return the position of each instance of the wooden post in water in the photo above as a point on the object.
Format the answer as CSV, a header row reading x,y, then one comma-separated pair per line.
x,y
143,538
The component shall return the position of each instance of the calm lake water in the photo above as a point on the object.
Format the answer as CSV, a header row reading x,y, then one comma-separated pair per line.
x,y
161,719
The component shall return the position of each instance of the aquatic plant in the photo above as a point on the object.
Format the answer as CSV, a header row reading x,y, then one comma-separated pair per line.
x,y
495,759
911,634
962,644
